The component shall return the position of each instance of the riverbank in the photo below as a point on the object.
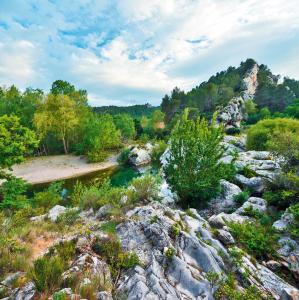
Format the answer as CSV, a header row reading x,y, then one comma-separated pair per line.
x,y
45,169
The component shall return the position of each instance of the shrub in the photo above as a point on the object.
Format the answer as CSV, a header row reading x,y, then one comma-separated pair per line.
x,y
170,252
241,197
294,226
96,156
77,193
157,152
279,135
50,197
109,227
12,192
193,169
123,158
258,240
233,130
145,188
68,218
228,290
247,172
96,195
110,248
46,273
175,230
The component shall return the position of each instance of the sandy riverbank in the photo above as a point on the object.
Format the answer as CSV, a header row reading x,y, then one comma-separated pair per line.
x,y
50,168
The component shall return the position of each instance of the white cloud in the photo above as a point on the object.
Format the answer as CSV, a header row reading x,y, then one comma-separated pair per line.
x,y
137,50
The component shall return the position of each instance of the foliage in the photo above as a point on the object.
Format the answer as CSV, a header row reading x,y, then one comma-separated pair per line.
x,y
170,252
193,169
69,218
99,135
126,125
261,135
158,150
293,109
258,240
135,111
248,172
241,197
123,158
175,229
96,156
109,227
145,188
46,273
97,195
110,249
49,197
283,190
227,289
250,107
58,114
294,226
15,141
12,194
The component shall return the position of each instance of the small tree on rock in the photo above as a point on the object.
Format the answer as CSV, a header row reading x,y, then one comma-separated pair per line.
x,y
193,169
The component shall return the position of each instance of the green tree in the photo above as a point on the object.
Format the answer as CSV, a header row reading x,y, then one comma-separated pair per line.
x,y
293,109
126,125
16,141
58,114
193,169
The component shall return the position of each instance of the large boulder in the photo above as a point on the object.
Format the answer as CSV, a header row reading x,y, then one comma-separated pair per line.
x,y
55,212
282,224
255,184
222,219
140,156
254,203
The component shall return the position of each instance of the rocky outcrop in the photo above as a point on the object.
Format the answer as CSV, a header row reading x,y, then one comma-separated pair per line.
x,y
282,224
233,113
140,156
174,266
254,203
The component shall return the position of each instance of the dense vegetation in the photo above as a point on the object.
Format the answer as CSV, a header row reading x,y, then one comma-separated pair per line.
x,y
64,122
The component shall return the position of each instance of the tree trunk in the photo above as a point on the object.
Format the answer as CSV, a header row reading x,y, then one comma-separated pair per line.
x,y
64,145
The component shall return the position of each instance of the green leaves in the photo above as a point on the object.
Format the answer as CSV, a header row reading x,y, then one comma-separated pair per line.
x,y
193,169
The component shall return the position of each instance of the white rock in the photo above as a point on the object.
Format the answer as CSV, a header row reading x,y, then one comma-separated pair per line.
x,y
283,223
256,203
55,212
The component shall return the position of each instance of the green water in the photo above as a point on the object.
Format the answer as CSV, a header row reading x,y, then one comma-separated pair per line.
x,y
119,176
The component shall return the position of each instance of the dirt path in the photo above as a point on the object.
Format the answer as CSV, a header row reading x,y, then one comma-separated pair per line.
x,y
50,168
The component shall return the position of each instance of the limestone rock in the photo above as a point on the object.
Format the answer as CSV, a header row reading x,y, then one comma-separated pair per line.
x,y
55,212
255,184
220,220
255,203
283,223
141,156
225,237
103,211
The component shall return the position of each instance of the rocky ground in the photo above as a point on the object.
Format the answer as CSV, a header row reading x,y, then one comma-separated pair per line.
x,y
182,254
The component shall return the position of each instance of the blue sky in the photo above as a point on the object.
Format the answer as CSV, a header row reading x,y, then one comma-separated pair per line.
x,y
134,51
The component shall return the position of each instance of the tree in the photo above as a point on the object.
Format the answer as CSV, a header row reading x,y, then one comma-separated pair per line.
x,y
193,169
15,142
100,134
126,125
58,115
293,109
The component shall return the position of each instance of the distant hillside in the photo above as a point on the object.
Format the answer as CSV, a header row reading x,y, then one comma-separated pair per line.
x,y
136,111
222,87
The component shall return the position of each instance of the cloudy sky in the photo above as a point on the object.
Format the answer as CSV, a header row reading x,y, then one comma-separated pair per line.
x,y
134,51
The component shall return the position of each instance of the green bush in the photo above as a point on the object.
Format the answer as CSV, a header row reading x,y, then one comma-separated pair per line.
x,y
68,218
294,226
241,197
46,273
247,172
96,155
272,134
12,192
145,188
193,169
157,152
96,195
258,240
227,289
49,197
123,158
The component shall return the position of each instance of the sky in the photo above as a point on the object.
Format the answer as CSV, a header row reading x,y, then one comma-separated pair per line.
x,y
135,51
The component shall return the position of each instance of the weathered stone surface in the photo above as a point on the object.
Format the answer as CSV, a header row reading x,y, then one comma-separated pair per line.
x,y
283,223
55,212
255,184
141,156
289,294
179,277
255,203
220,220
26,292
264,279
225,237
103,211
104,296
225,201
